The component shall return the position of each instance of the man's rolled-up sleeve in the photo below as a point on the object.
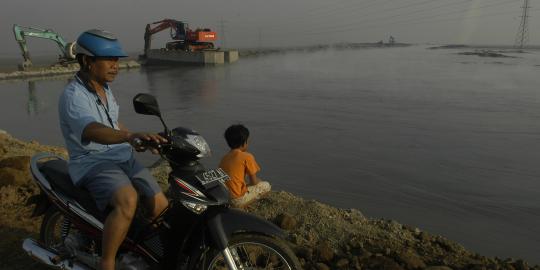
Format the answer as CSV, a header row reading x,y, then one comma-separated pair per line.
x,y
79,113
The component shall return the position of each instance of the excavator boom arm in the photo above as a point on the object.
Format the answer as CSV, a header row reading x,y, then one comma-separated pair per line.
x,y
21,32
161,25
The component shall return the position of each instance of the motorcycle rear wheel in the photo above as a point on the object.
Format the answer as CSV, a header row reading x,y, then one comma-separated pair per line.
x,y
253,251
51,229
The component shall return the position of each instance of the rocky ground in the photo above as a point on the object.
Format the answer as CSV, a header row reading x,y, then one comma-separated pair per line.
x,y
322,236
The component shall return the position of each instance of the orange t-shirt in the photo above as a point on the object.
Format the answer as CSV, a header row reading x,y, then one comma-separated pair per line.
x,y
237,164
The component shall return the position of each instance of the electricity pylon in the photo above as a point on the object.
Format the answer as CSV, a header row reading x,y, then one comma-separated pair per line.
x,y
523,34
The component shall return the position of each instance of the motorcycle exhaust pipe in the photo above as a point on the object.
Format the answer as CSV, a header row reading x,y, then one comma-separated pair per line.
x,y
36,251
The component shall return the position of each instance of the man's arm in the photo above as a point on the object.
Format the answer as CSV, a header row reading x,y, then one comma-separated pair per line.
x,y
122,127
102,134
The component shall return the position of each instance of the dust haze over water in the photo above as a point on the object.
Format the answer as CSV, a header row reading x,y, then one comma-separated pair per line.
x,y
259,23
445,142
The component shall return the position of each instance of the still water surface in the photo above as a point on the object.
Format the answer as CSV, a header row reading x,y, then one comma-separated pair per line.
x,y
441,141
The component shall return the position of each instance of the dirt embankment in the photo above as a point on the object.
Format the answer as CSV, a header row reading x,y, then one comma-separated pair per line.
x,y
55,70
322,236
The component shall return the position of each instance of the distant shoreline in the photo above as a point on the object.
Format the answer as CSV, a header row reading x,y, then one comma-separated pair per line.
x,y
9,62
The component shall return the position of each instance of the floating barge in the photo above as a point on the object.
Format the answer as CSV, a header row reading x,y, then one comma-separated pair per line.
x,y
205,57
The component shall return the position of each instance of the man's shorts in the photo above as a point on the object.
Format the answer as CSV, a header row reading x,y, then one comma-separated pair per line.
x,y
105,179
253,193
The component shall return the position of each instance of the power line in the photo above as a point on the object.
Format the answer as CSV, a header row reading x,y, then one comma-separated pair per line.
x,y
405,21
279,23
349,8
331,5
392,9
460,18
345,10
422,19
222,34
260,37
353,10
430,21
325,28
398,15
375,21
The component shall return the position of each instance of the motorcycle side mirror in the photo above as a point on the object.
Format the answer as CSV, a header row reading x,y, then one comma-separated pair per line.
x,y
146,104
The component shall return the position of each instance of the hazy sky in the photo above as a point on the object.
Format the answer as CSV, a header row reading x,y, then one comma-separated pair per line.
x,y
254,23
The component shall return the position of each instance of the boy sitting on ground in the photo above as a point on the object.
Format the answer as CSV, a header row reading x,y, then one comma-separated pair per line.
x,y
238,163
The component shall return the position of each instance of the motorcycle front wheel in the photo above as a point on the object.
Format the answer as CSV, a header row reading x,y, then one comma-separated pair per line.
x,y
252,251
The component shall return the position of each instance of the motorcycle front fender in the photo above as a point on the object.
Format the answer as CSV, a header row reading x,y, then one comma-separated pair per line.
x,y
221,225
227,222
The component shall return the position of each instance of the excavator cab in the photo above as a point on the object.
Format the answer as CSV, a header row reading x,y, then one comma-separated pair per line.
x,y
179,31
183,37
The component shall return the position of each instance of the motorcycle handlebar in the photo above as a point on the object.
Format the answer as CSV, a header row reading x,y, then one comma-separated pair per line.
x,y
147,143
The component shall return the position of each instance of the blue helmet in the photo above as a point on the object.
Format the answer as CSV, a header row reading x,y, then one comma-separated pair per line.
x,y
99,43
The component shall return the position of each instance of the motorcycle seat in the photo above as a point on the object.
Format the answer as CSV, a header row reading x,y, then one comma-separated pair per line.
x,y
56,172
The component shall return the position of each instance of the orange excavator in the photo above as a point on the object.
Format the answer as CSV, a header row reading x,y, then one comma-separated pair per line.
x,y
185,39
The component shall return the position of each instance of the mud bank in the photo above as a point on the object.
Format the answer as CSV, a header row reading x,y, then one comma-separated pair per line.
x,y
338,46
56,70
322,236
487,53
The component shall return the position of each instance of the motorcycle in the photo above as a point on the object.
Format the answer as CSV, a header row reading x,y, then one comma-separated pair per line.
x,y
198,230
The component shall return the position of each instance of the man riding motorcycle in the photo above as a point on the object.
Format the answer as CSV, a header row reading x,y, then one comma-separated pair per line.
x,y
100,147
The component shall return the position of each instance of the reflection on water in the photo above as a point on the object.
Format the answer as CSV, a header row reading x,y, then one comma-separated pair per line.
x,y
408,134
32,107
33,103
186,83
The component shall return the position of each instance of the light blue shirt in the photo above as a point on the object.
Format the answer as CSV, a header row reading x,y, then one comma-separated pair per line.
x,y
79,107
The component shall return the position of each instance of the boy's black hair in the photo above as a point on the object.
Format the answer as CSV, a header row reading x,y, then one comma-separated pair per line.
x,y
236,136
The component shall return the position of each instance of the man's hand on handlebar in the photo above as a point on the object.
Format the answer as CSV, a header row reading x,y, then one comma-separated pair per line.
x,y
142,141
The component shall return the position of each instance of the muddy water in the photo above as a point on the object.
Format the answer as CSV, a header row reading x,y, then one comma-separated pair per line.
x,y
445,142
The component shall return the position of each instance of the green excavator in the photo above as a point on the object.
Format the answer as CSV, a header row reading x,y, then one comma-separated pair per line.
x,y
21,32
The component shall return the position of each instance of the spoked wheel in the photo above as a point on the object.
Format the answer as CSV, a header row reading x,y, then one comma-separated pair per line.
x,y
256,252
51,229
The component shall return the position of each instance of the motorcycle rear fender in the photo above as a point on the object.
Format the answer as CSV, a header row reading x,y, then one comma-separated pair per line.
x,y
42,204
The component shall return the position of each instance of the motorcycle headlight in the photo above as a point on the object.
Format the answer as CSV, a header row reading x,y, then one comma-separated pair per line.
x,y
196,208
200,143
